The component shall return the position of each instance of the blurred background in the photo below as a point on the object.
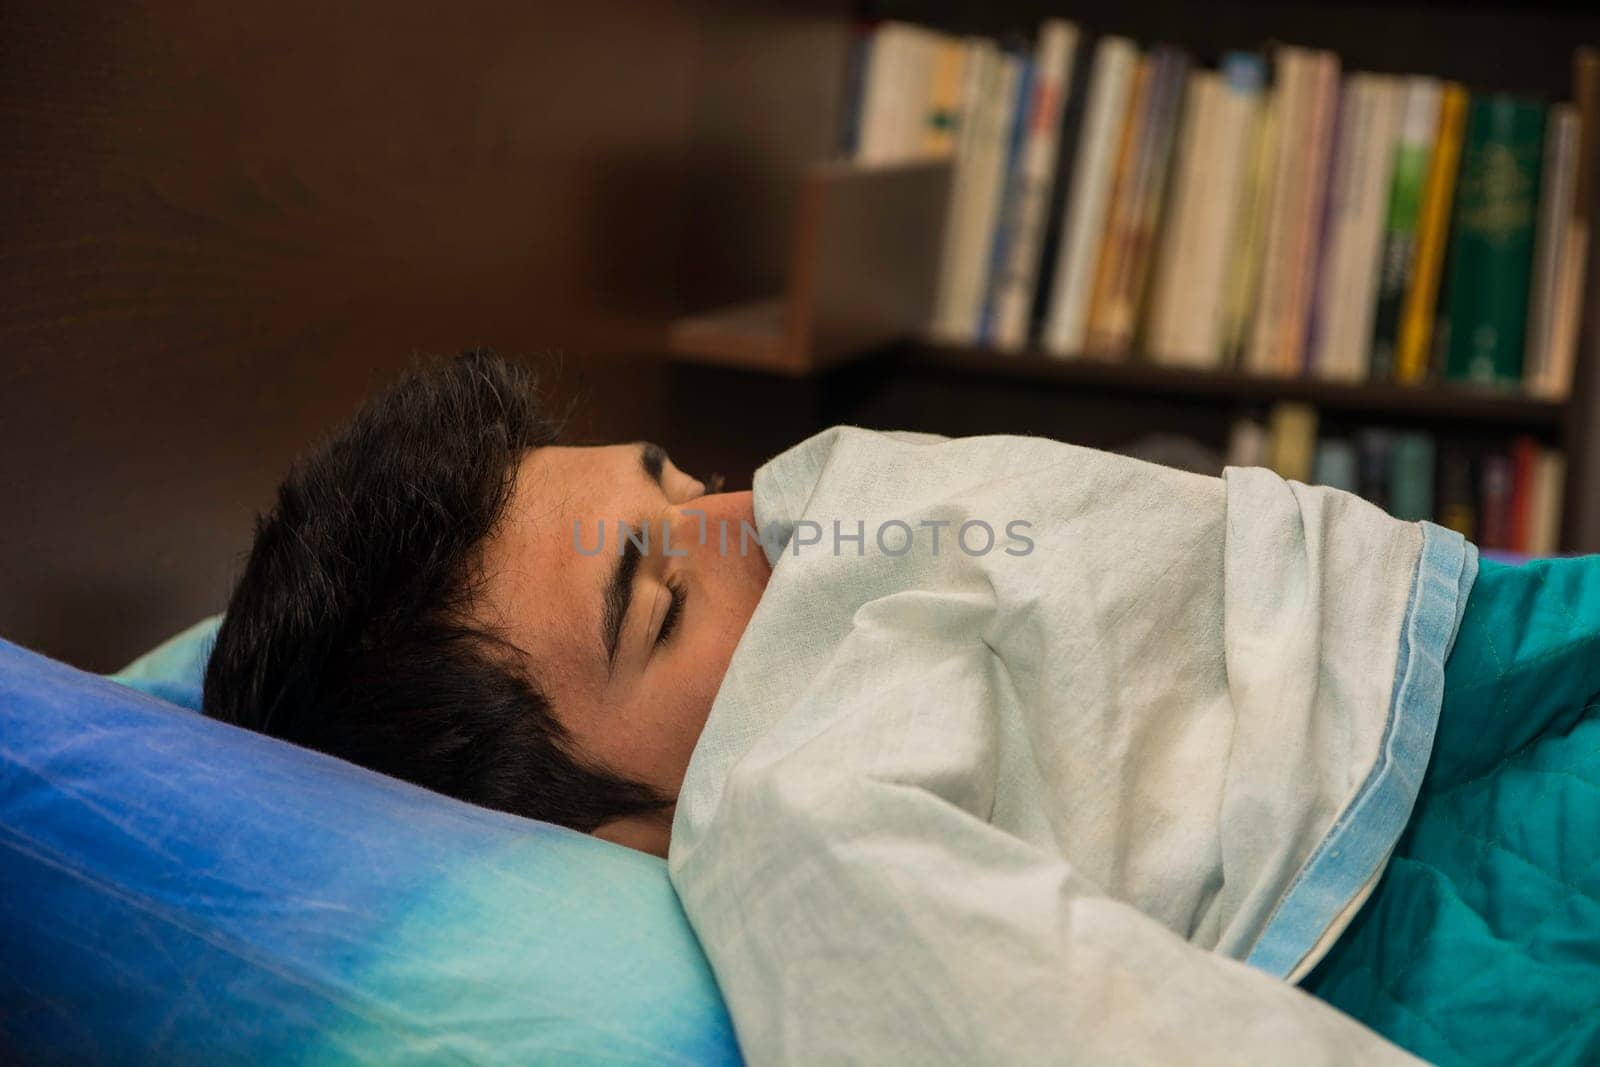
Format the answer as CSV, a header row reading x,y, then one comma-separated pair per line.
x,y
1349,241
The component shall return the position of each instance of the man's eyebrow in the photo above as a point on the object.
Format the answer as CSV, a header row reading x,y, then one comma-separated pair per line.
x,y
652,458
618,595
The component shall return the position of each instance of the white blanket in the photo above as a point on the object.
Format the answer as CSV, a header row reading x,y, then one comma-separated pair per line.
x,y
1036,804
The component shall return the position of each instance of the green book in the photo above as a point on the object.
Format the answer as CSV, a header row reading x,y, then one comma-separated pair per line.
x,y
1411,477
1492,237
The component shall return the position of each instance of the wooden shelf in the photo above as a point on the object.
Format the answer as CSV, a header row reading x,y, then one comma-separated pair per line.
x,y
1460,403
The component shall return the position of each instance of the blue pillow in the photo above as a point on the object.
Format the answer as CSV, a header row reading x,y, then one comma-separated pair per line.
x,y
181,891
175,670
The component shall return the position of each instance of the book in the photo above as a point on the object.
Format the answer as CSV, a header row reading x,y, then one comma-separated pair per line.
x,y
1524,470
1170,286
1292,440
1335,465
1247,444
1106,113
1420,308
1120,207
959,293
1568,315
1311,212
1068,147
1125,261
1153,195
1418,129
1032,183
1545,503
850,103
1351,142
942,115
1411,477
1374,448
1543,372
1198,331
1004,227
1306,105
1495,502
1347,290
1558,175
894,92
1458,509
1289,105
1492,240
1249,234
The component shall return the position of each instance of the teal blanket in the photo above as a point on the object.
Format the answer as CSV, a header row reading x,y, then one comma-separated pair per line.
x,y
1481,944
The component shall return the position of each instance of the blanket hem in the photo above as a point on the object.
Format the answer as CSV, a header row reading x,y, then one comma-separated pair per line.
x,y
1353,852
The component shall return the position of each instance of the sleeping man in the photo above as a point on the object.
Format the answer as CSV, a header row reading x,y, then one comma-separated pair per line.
x,y
982,750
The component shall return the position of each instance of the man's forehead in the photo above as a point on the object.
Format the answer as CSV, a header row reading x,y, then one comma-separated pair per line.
x,y
546,594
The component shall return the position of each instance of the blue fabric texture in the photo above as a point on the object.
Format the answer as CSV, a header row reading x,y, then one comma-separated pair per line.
x,y
1355,849
1481,944
180,891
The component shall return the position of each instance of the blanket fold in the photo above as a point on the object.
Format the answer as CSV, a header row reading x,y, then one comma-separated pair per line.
x,y
1028,749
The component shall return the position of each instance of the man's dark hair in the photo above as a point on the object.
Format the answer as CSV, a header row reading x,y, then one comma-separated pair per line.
x,y
350,629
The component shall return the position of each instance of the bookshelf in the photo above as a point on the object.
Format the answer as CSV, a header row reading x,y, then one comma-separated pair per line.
x,y
901,377
1513,411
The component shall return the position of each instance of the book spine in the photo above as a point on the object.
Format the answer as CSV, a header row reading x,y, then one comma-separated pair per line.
x,y
1106,117
1524,471
1120,209
956,253
1247,443
1555,213
1493,240
1290,92
1011,180
852,101
1420,308
1549,487
880,77
1172,285
1058,41
1458,508
1365,266
1221,206
914,97
1374,449
939,134
1417,134
1411,480
1292,440
1069,149
1309,211
1494,510
1248,238
1352,145
1151,200
1335,465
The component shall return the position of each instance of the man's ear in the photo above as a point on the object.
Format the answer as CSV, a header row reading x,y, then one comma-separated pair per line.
x,y
650,832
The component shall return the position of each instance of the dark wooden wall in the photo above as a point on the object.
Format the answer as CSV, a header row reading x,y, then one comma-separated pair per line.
x,y
223,223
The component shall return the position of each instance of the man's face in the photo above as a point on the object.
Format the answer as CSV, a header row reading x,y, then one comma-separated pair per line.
x,y
631,678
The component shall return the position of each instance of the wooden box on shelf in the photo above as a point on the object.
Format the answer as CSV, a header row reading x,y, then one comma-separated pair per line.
x,y
862,271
